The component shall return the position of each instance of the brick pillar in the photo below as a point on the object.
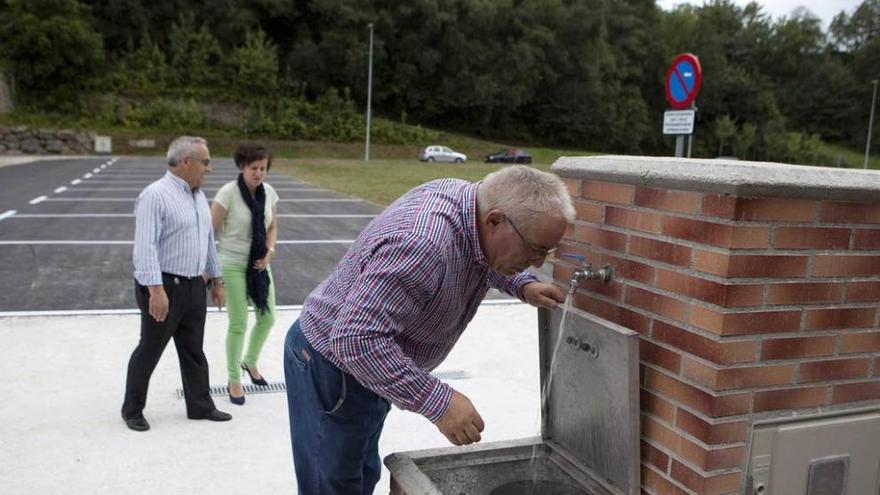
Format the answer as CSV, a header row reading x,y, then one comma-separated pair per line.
x,y
754,288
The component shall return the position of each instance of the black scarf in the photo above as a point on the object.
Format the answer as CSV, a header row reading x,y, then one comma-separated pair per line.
x,y
257,280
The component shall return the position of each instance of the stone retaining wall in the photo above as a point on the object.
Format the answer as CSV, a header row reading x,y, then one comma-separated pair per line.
x,y
27,141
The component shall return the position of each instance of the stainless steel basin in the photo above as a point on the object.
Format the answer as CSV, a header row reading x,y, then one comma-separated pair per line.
x,y
589,443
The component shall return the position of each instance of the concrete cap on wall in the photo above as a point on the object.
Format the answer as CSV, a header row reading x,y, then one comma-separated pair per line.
x,y
734,177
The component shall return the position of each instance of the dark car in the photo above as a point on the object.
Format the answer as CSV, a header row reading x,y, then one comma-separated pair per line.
x,y
509,155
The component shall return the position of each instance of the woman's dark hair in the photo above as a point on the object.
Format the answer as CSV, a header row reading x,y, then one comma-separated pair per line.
x,y
248,153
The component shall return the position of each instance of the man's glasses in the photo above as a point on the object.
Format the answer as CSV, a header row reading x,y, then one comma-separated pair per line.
x,y
204,161
535,252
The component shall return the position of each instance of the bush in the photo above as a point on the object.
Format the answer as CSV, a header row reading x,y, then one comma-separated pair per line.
x,y
167,114
332,118
385,132
289,118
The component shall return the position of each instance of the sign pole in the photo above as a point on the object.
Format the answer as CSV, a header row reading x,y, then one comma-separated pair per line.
x,y
369,96
691,135
683,81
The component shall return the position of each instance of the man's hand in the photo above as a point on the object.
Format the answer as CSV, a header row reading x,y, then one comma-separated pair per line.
x,y
158,302
462,423
543,295
218,295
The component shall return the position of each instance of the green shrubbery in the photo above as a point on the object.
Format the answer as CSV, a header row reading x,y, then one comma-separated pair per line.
x,y
176,115
331,117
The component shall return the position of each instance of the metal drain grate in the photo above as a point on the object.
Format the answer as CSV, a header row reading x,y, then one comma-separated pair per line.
x,y
277,387
222,391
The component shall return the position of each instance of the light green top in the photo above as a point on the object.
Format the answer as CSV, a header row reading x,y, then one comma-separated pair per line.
x,y
235,236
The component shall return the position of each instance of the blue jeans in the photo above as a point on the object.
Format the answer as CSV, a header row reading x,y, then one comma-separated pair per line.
x,y
335,423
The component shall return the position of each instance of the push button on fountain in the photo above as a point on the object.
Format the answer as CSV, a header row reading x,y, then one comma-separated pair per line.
x,y
582,345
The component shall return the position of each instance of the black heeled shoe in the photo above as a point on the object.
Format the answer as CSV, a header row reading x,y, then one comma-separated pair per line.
x,y
238,401
256,381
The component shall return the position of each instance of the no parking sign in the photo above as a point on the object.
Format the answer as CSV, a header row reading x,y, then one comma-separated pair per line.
x,y
683,81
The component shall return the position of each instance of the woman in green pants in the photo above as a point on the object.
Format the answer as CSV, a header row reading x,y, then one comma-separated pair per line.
x,y
243,214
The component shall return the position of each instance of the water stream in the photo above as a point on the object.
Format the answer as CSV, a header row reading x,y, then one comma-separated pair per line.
x,y
545,390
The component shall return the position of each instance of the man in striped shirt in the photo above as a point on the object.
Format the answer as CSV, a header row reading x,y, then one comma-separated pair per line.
x,y
394,307
174,254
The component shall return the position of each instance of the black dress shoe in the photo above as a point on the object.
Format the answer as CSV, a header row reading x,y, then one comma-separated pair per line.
x,y
238,401
256,381
137,424
214,415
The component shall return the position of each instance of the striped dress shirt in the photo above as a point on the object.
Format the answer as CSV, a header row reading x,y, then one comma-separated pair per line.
x,y
404,292
173,232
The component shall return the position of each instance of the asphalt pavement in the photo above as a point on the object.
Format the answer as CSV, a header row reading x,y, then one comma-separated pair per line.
x,y
67,230
67,227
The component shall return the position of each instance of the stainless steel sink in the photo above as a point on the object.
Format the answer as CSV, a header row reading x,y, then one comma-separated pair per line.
x,y
589,443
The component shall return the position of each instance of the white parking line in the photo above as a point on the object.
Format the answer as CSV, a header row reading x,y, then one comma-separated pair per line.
x,y
288,200
120,175
320,200
39,199
210,309
329,241
75,215
66,243
60,190
86,199
96,189
212,189
75,181
106,180
129,215
304,215
7,214
129,243
293,189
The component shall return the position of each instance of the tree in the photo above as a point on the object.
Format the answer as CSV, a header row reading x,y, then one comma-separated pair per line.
x,y
255,66
51,50
744,140
143,71
850,33
725,130
195,55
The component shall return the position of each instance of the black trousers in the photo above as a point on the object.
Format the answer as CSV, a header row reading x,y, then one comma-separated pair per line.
x,y
187,303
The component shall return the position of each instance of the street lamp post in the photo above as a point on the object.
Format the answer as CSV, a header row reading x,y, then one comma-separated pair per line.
x,y
870,124
369,95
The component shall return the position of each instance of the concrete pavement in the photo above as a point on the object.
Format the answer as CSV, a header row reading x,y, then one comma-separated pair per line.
x,y
64,375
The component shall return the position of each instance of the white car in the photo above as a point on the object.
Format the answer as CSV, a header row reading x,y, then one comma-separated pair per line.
x,y
441,154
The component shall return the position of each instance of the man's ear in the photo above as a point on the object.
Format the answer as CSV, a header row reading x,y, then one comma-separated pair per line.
x,y
495,217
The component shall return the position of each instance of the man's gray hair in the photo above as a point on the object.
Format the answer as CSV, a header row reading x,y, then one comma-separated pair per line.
x,y
525,195
183,147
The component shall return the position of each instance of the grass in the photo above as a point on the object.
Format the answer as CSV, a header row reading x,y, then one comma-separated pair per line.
x,y
380,181
850,158
391,171
224,145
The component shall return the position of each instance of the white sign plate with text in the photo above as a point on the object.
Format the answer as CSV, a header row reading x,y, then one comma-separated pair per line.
x,y
679,122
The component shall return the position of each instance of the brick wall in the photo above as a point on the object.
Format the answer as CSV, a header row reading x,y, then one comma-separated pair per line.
x,y
748,307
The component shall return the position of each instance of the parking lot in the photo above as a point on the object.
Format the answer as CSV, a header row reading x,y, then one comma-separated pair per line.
x,y
67,228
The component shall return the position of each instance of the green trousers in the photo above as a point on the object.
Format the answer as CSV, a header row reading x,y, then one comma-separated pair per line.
x,y
237,309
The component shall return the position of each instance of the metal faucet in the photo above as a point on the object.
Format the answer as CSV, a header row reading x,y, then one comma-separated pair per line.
x,y
587,272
